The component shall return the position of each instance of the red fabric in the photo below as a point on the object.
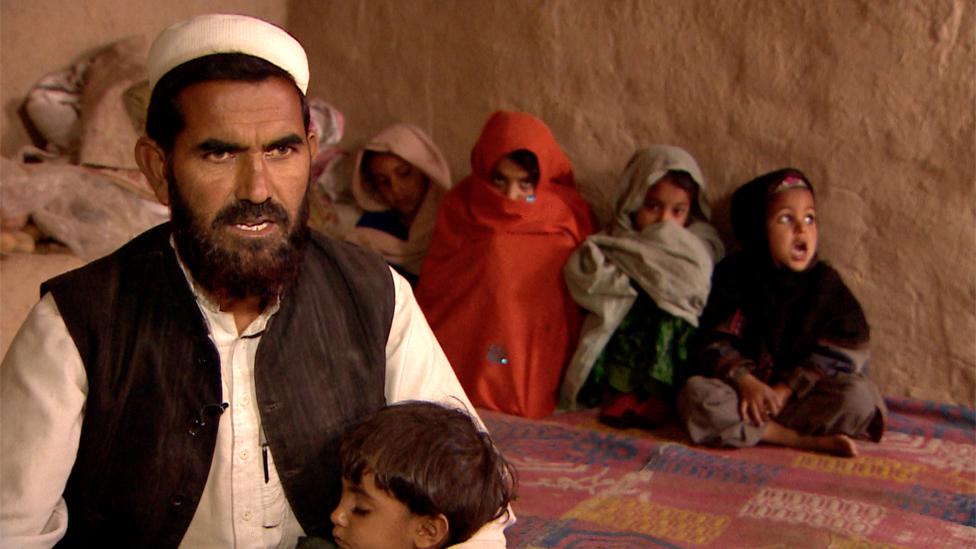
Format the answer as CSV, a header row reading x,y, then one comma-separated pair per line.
x,y
491,285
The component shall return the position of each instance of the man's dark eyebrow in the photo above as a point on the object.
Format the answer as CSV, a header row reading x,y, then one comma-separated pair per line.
x,y
286,141
218,145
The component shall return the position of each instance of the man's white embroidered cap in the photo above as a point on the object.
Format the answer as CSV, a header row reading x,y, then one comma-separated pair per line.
x,y
225,33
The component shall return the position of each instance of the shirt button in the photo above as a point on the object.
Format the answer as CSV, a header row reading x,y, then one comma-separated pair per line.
x,y
245,401
246,515
244,455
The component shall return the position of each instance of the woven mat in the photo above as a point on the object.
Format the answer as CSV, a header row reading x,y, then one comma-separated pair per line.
x,y
586,485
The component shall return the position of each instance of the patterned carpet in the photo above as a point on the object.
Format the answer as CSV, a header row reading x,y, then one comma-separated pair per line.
x,y
584,485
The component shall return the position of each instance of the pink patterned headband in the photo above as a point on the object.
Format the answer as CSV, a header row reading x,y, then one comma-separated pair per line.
x,y
790,182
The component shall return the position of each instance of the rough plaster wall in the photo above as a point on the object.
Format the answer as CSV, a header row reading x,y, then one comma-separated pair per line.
x,y
874,100
38,37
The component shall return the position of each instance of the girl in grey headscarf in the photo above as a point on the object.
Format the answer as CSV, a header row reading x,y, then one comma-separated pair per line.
x,y
644,280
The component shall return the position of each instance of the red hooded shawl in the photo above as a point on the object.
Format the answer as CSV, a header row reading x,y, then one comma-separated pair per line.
x,y
491,285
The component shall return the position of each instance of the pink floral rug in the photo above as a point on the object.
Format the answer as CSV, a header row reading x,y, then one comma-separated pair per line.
x,y
586,485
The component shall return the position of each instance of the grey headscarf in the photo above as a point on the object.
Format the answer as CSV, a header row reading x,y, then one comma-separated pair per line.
x,y
672,264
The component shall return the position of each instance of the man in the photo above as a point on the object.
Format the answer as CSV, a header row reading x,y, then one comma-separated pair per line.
x,y
188,389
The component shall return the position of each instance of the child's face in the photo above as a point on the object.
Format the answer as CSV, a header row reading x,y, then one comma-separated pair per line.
x,y
791,228
664,201
512,180
369,518
402,185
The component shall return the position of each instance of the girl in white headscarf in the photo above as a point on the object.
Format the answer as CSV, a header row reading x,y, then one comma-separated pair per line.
x,y
644,280
398,180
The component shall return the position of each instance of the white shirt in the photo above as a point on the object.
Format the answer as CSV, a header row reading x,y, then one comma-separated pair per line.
x,y
43,388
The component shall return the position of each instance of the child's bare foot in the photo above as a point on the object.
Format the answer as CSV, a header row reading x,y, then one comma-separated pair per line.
x,y
838,445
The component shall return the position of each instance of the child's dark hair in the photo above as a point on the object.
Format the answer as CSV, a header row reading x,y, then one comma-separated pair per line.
x,y
684,181
526,160
435,460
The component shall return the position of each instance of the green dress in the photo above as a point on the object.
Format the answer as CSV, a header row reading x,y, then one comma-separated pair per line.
x,y
645,355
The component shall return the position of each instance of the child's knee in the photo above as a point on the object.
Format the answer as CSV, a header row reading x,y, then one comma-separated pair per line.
x,y
700,396
693,389
856,405
706,406
858,397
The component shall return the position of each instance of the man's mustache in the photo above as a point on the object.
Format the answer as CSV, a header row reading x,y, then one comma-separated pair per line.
x,y
245,212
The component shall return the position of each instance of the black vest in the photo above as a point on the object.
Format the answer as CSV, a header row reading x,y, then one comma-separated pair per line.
x,y
150,423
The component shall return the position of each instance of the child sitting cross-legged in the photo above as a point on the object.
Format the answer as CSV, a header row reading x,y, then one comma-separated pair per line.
x,y
783,343
418,475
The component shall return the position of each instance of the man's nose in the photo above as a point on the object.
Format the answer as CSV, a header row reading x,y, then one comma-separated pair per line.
x,y
253,179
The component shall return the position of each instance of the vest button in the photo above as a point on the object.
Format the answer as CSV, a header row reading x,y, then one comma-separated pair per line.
x,y
177,500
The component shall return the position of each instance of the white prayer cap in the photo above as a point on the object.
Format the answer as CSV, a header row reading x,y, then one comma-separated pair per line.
x,y
224,33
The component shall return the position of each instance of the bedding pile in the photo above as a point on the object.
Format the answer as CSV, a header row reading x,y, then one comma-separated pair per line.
x,y
79,185
586,485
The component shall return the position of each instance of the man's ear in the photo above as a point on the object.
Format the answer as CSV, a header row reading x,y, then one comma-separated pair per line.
x,y
152,162
313,145
431,532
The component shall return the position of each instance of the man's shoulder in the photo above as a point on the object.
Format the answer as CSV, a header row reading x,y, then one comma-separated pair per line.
x,y
152,241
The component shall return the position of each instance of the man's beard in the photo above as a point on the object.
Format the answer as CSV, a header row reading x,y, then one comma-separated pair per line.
x,y
231,267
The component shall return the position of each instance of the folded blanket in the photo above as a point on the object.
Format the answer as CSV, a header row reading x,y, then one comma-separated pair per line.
x,y
672,264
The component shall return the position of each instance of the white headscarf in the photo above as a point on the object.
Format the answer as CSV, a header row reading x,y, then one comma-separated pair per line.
x,y
413,145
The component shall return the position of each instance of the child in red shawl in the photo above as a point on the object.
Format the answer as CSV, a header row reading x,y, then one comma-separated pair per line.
x,y
783,342
491,285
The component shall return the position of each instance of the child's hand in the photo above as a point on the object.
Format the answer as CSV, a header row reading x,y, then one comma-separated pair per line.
x,y
758,401
784,393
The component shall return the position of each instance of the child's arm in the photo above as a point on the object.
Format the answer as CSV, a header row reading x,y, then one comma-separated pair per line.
x,y
843,341
827,358
719,354
720,357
